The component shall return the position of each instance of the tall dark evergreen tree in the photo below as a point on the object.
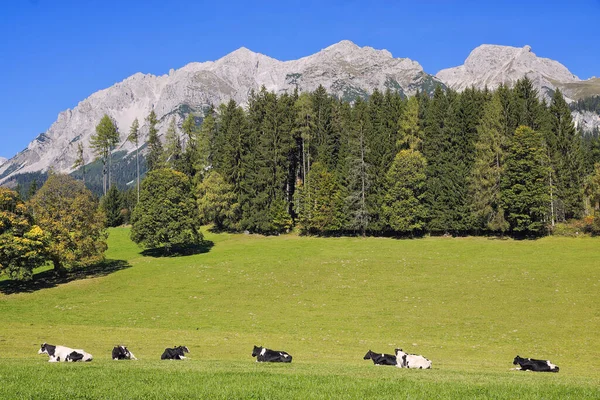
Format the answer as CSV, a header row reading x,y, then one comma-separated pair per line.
x,y
173,149
155,155
112,205
381,140
484,183
358,180
134,137
80,160
102,142
525,192
566,158
403,206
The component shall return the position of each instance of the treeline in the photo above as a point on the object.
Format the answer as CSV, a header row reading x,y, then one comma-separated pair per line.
x,y
588,104
476,162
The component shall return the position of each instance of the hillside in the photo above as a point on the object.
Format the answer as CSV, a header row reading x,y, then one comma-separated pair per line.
x,y
470,305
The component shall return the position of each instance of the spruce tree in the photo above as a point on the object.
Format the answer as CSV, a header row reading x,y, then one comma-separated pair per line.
x,y
486,175
112,205
304,131
80,160
403,206
173,148
134,137
381,140
410,134
216,201
102,142
191,153
358,179
323,213
566,157
525,193
155,155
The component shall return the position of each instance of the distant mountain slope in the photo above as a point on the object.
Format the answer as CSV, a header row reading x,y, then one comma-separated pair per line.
x,y
344,69
491,65
3,160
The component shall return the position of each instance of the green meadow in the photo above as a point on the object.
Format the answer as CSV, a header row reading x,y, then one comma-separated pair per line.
x,y
468,304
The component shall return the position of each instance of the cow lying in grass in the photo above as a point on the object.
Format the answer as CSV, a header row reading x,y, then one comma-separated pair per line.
x,y
63,354
531,364
415,361
380,358
175,353
122,353
263,354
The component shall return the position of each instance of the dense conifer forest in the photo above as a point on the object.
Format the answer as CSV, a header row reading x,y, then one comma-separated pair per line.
x,y
476,162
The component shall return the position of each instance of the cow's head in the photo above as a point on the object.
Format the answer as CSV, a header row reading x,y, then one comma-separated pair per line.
x,y
518,360
368,355
123,350
181,350
256,351
46,348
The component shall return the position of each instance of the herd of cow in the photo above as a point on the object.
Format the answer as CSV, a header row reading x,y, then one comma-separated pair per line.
x,y
401,359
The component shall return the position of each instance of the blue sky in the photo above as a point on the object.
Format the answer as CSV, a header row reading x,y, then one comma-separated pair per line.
x,y
55,53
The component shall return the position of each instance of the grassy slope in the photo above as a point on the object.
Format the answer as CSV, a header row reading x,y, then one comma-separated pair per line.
x,y
470,305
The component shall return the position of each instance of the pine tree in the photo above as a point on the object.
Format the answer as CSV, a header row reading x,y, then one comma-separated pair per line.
x,y
234,152
305,126
80,160
326,140
410,134
216,201
155,155
525,193
527,105
206,142
358,180
112,205
381,140
102,142
173,148
566,157
191,154
134,137
322,214
33,188
403,206
486,175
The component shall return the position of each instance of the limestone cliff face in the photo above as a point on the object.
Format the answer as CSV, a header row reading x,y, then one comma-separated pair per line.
x,y
491,65
344,69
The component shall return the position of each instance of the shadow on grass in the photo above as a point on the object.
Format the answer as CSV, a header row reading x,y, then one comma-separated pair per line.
x,y
191,250
49,279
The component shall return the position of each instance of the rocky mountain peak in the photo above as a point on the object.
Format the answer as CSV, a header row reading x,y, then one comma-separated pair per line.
x,y
490,65
3,160
344,69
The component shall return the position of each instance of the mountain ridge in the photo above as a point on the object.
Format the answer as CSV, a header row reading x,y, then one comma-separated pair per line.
x,y
344,69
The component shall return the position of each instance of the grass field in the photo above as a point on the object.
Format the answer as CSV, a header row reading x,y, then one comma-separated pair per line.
x,y
468,304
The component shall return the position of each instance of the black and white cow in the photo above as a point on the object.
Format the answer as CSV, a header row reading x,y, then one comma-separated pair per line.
x,y
175,353
415,361
122,353
380,358
531,364
63,354
263,354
